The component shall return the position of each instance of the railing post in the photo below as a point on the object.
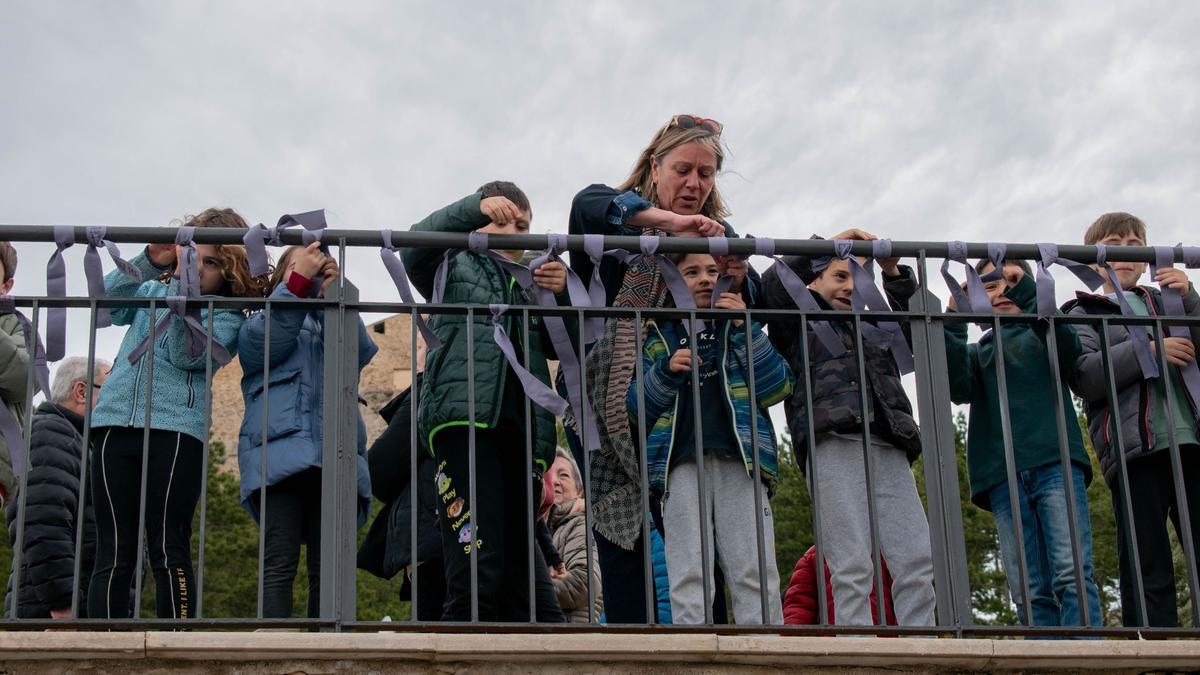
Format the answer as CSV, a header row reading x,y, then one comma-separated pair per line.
x,y
951,579
339,456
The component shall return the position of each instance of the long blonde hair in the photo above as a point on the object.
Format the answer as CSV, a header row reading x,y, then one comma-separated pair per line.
x,y
665,140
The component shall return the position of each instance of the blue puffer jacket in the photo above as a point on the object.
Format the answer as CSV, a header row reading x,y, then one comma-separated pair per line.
x,y
295,398
179,391
662,583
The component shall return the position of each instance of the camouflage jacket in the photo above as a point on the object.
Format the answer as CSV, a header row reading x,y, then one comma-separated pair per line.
x,y
836,402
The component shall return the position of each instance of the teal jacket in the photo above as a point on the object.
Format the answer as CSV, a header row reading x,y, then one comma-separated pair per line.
x,y
773,382
179,390
474,280
1031,404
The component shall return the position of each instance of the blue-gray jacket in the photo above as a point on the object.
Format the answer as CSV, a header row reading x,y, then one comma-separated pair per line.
x,y
295,427
179,390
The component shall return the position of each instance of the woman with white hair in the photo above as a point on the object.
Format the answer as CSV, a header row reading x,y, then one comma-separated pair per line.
x,y
568,528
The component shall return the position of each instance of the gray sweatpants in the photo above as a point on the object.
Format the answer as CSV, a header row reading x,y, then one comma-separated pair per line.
x,y
729,501
846,530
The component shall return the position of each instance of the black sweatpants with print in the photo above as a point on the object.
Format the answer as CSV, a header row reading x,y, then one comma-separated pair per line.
x,y
173,476
499,527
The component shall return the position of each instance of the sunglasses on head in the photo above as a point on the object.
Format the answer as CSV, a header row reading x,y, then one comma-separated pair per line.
x,y
691,122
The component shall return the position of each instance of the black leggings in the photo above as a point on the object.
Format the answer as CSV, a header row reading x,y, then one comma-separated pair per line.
x,y
293,518
174,471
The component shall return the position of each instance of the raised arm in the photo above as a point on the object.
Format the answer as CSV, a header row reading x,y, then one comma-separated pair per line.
x,y
461,216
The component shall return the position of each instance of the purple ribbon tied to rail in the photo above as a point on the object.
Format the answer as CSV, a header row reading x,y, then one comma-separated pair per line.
x,y
975,299
56,282
195,335
1172,298
1047,305
568,360
9,429
257,237
648,247
866,296
395,267
1139,338
802,297
537,391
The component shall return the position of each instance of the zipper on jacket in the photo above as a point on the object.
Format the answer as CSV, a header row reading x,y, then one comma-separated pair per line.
x,y
737,435
674,414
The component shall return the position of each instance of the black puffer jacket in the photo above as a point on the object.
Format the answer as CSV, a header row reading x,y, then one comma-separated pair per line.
x,y
836,400
51,512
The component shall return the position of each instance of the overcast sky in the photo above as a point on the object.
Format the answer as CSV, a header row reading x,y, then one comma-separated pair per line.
x,y
960,120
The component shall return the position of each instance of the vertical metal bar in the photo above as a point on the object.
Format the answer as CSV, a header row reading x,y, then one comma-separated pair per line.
x,y
84,457
141,531
473,522
756,474
644,475
1181,497
706,558
587,478
942,488
23,479
262,463
1064,449
1123,475
414,447
872,509
533,512
339,458
810,442
208,377
1010,466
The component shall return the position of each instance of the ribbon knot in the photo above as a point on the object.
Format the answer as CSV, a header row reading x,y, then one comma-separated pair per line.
x,y
395,267
258,237
975,299
56,282
1172,298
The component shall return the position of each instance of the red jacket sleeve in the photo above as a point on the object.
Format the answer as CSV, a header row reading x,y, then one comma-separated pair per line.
x,y
800,600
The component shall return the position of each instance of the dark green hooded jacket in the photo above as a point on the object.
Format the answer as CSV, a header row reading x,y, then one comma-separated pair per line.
x,y
1031,404
476,280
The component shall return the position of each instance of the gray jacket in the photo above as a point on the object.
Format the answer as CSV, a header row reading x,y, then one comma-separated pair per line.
x,y
1135,396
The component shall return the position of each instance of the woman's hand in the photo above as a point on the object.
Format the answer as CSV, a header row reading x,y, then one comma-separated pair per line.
x,y
694,226
551,276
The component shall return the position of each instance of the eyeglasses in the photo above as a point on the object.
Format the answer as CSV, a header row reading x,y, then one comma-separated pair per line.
x,y
691,122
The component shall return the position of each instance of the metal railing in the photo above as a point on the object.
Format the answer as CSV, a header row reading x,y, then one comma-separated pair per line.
x,y
924,319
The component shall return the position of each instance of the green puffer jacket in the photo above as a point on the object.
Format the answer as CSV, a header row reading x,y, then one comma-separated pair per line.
x,y
474,280
14,370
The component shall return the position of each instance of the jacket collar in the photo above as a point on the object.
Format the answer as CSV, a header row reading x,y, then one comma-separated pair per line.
x,y
71,416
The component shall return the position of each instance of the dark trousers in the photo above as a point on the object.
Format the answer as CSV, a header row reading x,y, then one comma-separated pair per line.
x,y
293,518
1152,493
173,475
431,590
623,580
497,527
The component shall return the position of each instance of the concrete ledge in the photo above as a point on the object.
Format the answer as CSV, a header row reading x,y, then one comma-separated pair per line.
x,y
47,645
607,652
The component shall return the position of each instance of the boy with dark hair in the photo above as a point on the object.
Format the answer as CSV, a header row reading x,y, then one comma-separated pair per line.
x,y
1040,486
14,366
1143,418
497,526
838,421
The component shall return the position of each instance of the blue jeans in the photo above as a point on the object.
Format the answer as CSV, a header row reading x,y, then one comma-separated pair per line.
x,y
1042,499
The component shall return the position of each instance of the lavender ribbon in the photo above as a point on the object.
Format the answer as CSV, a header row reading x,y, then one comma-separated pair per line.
x,y
568,360
1140,338
535,389
257,237
56,282
195,335
1164,258
802,297
395,267
648,247
866,296
9,429
593,246
1047,305
975,299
